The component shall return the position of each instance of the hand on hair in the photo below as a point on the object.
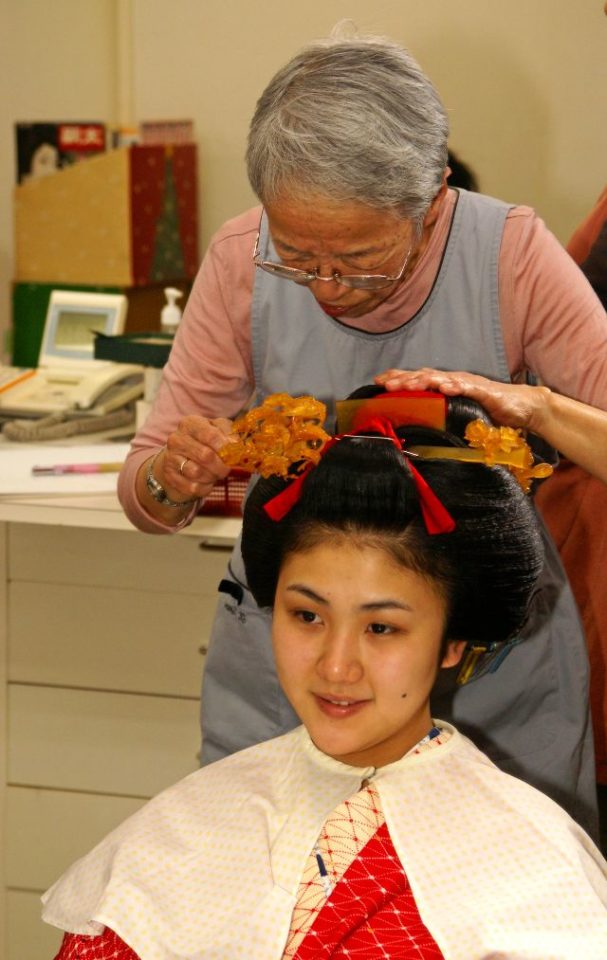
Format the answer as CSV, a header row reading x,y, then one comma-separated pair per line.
x,y
513,405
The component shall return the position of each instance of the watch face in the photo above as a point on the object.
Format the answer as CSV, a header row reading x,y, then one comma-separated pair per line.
x,y
158,492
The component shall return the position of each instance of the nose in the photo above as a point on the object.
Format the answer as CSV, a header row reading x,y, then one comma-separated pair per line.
x,y
339,661
326,288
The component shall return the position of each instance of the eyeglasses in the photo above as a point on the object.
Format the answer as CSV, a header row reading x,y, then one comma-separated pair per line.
x,y
357,281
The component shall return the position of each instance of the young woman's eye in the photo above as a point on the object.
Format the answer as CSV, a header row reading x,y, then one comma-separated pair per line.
x,y
379,629
307,616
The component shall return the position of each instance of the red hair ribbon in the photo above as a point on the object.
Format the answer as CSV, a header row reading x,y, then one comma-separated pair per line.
x,y
436,517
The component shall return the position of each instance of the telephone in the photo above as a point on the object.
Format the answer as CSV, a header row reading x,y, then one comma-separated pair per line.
x,y
74,391
69,380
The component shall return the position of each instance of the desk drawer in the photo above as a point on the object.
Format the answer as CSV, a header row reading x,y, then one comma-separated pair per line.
x,y
28,938
110,558
123,744
47,830
108,639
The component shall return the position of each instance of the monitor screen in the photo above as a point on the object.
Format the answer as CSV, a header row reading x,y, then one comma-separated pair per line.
x,y
72,321
75,329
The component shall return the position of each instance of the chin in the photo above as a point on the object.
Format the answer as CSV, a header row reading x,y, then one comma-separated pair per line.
x,y
342,748
359,310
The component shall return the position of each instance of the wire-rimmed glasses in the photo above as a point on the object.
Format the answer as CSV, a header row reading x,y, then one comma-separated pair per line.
x,y
356,281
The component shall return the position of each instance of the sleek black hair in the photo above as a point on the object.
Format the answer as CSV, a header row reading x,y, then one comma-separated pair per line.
x,y
363,488
462,175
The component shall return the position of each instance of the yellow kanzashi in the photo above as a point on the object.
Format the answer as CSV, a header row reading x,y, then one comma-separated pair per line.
x,y
493,440
275,436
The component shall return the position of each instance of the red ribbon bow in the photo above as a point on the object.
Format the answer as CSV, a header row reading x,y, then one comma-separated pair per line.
x,y
436,517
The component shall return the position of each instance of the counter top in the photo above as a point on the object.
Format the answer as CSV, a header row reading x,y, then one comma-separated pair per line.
x,y
103,511
97,510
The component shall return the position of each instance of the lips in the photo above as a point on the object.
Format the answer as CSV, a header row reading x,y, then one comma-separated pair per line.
x,y
339,707
332,310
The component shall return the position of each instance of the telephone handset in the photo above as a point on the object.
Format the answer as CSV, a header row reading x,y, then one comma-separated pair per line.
x,y
116,395
97,392
74,391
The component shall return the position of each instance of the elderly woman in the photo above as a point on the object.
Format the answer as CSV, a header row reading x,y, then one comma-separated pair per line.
x,y
361,259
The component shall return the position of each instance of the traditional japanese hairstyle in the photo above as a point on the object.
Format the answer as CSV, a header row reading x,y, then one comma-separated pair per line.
x,y
363,488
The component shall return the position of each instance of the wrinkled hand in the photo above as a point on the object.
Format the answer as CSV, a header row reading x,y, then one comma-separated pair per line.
x,y
509,404
188,466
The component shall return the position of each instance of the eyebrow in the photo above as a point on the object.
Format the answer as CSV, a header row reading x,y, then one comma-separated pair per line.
x,y
366,251
387,604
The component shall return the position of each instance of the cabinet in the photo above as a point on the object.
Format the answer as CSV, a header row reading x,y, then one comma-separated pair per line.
x,y
102,639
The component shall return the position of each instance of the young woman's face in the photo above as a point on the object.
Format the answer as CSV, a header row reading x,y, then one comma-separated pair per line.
x,y
356,640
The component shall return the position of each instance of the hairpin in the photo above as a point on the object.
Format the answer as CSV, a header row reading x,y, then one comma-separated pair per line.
x,y
479,660
279,437
436,517
503,446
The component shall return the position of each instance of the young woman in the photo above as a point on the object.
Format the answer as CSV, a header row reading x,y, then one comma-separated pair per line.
x,y
371,830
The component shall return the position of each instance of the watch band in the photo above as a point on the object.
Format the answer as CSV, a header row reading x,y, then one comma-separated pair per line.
x,y
158,492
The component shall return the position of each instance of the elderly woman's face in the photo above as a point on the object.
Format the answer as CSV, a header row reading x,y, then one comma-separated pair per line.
x,y
346,237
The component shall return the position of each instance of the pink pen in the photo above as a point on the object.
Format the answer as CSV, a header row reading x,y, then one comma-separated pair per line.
x,y
60,469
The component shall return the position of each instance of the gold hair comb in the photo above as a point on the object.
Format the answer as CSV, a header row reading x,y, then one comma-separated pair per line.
x,y
492,445
274,437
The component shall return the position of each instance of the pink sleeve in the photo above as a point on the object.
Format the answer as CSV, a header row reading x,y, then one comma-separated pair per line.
x,y
210,370
553,322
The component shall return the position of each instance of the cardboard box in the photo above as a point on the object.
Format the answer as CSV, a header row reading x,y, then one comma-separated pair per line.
x,y
123,218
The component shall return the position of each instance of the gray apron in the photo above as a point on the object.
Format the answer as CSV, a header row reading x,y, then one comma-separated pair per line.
x,y
531,716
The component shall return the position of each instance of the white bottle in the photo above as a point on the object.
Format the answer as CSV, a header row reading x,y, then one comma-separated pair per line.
x,y
170,314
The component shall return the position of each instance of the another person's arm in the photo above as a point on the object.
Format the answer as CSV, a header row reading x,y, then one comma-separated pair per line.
x,y
583,239
207,379
553,323
579,431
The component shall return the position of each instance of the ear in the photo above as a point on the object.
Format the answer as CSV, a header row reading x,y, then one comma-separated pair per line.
x,y
435,206
453,653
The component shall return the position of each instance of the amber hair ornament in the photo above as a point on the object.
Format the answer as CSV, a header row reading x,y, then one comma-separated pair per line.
x,y
503,446
284,435
279,438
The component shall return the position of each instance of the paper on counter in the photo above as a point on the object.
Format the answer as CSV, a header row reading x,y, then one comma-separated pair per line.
x,y
16,462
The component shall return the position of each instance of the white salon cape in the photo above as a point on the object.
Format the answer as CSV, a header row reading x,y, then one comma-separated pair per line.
x,y
209,869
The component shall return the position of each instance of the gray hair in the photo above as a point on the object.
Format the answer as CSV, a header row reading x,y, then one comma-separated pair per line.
x,y
350,119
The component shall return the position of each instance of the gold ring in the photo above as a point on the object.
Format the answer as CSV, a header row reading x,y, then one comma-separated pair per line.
x,y
182,465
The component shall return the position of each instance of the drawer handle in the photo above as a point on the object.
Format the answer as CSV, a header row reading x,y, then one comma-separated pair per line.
x,y
216,543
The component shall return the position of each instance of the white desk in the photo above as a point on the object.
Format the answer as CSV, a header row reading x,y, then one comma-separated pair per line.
x,y
102,642
104,512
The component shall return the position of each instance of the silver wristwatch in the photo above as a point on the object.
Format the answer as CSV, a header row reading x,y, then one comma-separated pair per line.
x,y
158,492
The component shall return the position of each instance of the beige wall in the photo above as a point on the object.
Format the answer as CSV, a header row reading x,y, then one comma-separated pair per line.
x,y
57,61
524,81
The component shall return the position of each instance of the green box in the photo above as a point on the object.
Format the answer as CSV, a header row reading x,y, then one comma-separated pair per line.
x,y
30,304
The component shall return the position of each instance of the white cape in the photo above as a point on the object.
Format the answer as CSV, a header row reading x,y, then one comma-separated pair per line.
x,y
211,867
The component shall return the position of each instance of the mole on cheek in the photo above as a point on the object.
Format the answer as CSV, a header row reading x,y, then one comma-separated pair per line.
x,y
403,695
